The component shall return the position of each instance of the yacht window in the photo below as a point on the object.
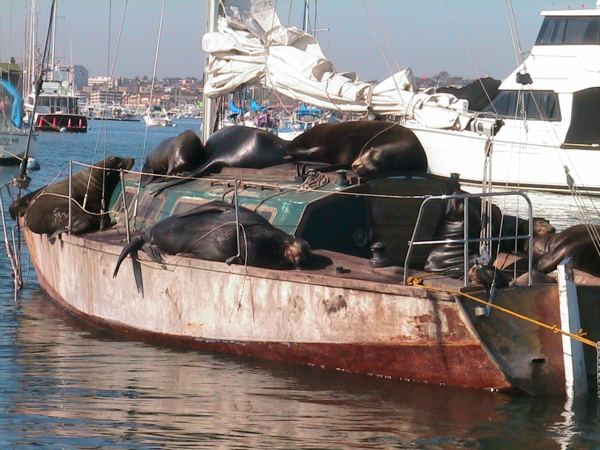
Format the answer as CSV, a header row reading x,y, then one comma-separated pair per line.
x,y
538,105
584,132
569,31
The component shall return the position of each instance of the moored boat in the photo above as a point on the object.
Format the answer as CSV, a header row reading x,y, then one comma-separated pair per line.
x,y
548,119
340,312
156,116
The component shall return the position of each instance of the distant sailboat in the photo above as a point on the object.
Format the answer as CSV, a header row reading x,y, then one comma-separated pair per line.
x,y
156,116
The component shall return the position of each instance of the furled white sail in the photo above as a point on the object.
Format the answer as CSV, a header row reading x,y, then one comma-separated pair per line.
x,y
251,45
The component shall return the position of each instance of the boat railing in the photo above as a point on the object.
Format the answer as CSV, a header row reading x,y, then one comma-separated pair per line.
x,y
466,197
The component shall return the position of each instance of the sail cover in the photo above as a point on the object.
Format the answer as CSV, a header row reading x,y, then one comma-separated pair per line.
x,y
250,45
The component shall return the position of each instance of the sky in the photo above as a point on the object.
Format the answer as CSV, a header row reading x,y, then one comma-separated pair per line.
x,y
374,38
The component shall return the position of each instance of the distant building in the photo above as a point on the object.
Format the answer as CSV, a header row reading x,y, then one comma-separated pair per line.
x,y
108,97
100,82
80,76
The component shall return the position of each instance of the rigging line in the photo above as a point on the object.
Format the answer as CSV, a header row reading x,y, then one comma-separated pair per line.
x,y
110,75
158,38
514,34
463,42
289,14
387,63
387,39
108,83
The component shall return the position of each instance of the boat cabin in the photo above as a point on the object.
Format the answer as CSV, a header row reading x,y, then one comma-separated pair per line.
x,y
558,84
368,219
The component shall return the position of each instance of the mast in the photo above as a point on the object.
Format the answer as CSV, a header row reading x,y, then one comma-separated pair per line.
x,y
209,111
306,17
53,54
31,47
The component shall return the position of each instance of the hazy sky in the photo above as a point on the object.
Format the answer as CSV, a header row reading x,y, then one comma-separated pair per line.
x,y
464,37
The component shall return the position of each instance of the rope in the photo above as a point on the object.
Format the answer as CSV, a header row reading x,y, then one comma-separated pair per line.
x,y
314,181
553,328
258,184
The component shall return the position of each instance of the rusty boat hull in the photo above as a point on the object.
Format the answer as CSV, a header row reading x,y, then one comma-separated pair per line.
x,y
305,317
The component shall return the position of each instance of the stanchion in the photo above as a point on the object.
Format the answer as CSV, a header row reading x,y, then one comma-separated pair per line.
x,y
125,209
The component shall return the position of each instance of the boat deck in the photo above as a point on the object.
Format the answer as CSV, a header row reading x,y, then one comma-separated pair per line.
x,y
322,263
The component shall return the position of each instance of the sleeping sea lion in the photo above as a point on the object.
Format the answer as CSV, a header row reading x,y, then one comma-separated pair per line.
x,y
174,155
209,232
48,210
238,146
368,146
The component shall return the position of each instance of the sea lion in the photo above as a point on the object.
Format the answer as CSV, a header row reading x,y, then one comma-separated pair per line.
x,y
48,210
369,146
174,155
238,146
515,226
449,257
575,242
209,232
18,207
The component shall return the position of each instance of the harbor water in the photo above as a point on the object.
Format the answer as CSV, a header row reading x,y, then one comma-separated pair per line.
x,y
63,385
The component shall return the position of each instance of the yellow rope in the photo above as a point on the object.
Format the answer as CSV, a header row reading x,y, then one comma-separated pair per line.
x,y
416,282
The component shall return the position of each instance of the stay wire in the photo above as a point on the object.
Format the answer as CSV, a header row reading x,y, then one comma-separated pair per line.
x,y
158,39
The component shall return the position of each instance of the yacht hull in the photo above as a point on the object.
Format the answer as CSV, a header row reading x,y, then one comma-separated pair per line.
x,y
59,122
533,166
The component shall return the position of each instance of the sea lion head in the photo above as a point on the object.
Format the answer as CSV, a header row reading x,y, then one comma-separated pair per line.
x,y
369,161
542,227
116,163
297,251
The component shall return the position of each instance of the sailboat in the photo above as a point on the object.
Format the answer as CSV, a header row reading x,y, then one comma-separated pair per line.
x,y
354,308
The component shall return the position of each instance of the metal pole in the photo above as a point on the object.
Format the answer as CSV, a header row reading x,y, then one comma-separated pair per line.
x,y
53,55
412,240
530,247
70,193
127,232
237,217
466,238
209,116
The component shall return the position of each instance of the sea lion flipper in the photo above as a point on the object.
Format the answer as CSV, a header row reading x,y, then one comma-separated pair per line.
x,y
135,244
153,252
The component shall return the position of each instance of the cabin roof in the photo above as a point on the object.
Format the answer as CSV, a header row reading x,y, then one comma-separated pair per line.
x,y
572,12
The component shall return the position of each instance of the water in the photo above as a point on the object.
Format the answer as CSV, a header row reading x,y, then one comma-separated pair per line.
x,y
65,386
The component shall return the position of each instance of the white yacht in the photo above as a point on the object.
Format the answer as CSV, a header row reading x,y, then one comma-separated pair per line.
x,y
156,116
57,107
549,134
